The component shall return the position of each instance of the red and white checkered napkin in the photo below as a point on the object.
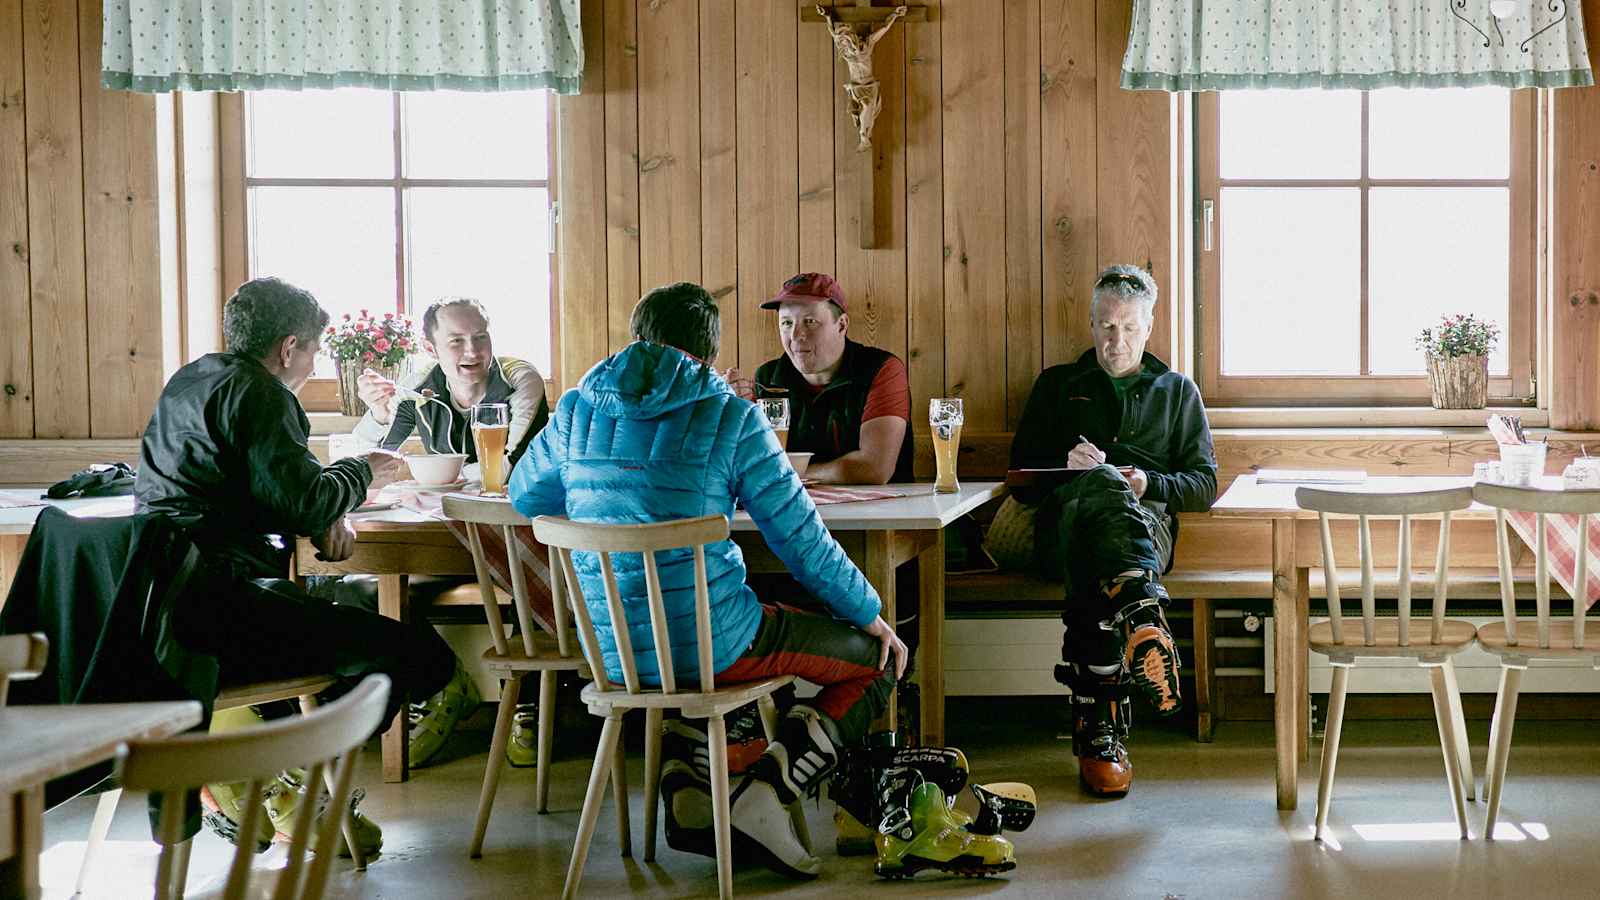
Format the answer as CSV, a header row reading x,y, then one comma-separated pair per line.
x,y
830,493
1561,544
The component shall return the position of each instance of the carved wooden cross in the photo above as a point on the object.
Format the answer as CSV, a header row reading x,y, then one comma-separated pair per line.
x,y
856,30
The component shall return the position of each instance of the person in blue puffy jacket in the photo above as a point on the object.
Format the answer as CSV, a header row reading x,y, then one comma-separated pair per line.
x,y
655,433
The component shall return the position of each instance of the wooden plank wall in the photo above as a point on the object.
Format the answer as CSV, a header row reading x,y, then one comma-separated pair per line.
x,y
80,283
1575,288
986,156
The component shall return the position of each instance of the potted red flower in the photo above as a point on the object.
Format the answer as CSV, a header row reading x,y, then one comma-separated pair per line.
x,y
355,343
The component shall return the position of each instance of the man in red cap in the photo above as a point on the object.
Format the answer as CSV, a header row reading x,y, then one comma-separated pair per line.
x,y
849,404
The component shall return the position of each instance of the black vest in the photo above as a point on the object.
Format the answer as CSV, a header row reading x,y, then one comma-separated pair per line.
x,y
828,422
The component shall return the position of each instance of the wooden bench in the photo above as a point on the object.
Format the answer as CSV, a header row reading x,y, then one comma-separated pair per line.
x,y
1001,593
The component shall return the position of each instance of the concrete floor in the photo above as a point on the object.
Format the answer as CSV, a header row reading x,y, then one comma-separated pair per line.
x,y
1200,822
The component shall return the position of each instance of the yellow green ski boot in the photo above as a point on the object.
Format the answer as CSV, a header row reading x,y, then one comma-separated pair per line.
x,y
858,785
925,833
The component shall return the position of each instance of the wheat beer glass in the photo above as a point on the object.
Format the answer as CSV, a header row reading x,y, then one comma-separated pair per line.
x,y
776,409
491,423
945,418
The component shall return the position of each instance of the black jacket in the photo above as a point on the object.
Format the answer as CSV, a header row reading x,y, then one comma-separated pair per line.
x,y
828,422
111,594
1160,426
225,453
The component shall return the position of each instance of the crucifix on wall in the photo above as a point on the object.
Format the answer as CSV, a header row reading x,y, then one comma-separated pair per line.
x,y
856,30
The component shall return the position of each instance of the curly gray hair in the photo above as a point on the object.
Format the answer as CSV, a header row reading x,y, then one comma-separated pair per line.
x,y
264,311
1124,284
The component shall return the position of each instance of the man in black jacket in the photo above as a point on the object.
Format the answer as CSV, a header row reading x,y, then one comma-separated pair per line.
x,y
1133,435
225,455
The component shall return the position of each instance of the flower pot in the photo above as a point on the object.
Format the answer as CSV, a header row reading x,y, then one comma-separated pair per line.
x,y
350,402
1459,382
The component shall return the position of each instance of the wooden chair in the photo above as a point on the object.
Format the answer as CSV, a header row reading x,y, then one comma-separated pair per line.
x,y
1388,638
325,741
304,689
534,653
605,698
1519,642
22,656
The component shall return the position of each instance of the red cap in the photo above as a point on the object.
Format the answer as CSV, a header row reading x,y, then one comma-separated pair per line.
x,y
809,286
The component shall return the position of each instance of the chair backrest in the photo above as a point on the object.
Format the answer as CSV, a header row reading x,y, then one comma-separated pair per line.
x,y
493,512
21,656
327,737
1542,504
1365,506
563,536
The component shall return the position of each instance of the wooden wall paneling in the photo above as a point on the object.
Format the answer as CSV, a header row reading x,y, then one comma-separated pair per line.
x,y
623,283
55,218
581,240
1024,188
974,210
1575,280
669,142
1134,159
1071,175
769,215
122,243
16,326
818,96
874,281
719,206
169,200
925,246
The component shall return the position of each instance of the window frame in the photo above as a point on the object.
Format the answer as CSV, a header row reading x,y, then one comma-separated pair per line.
x,y
321,394
1355,390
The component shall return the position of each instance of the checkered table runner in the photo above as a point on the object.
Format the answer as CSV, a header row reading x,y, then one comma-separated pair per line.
x,y
1561,546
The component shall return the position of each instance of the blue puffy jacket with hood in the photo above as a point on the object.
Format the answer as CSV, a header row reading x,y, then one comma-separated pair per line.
x,y
652,434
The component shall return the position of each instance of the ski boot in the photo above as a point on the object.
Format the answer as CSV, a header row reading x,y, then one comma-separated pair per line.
x,y
1100,724
921,831
807,749
1150,655
857,785
686,788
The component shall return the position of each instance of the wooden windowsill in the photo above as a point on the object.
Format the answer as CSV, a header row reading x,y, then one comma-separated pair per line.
x,y
1367,417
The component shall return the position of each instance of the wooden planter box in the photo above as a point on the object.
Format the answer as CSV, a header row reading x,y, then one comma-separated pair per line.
x,y
1459,382
350,403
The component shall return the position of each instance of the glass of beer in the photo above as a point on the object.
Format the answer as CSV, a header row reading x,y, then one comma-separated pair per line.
x,y
776,409
945,418
491,423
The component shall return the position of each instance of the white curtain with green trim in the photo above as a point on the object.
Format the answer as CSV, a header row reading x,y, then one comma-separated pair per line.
x,y
1203,45
408,45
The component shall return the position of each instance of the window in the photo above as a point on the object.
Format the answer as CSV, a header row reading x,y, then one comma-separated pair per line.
x,y
1336,225
388,201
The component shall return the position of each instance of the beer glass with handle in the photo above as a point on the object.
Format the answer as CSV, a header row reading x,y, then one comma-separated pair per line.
x,y
491,424
776,409
945,418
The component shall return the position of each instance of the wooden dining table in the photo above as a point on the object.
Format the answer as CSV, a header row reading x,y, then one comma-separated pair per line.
x,y
879,535
1295,539
38,743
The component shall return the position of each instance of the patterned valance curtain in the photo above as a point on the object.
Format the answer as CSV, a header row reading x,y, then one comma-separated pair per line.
x,y
407,45
1204,45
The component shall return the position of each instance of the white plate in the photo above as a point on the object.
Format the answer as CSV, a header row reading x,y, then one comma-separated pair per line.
x,y
409,485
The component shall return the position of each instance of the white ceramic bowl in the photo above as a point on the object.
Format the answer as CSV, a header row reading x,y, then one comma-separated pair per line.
x,y
436,468
800,461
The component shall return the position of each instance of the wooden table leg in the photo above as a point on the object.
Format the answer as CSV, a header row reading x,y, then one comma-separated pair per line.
x,y
394,602
879,570
22,833
10,558
1205,681
1286,662
1302,649
930,639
